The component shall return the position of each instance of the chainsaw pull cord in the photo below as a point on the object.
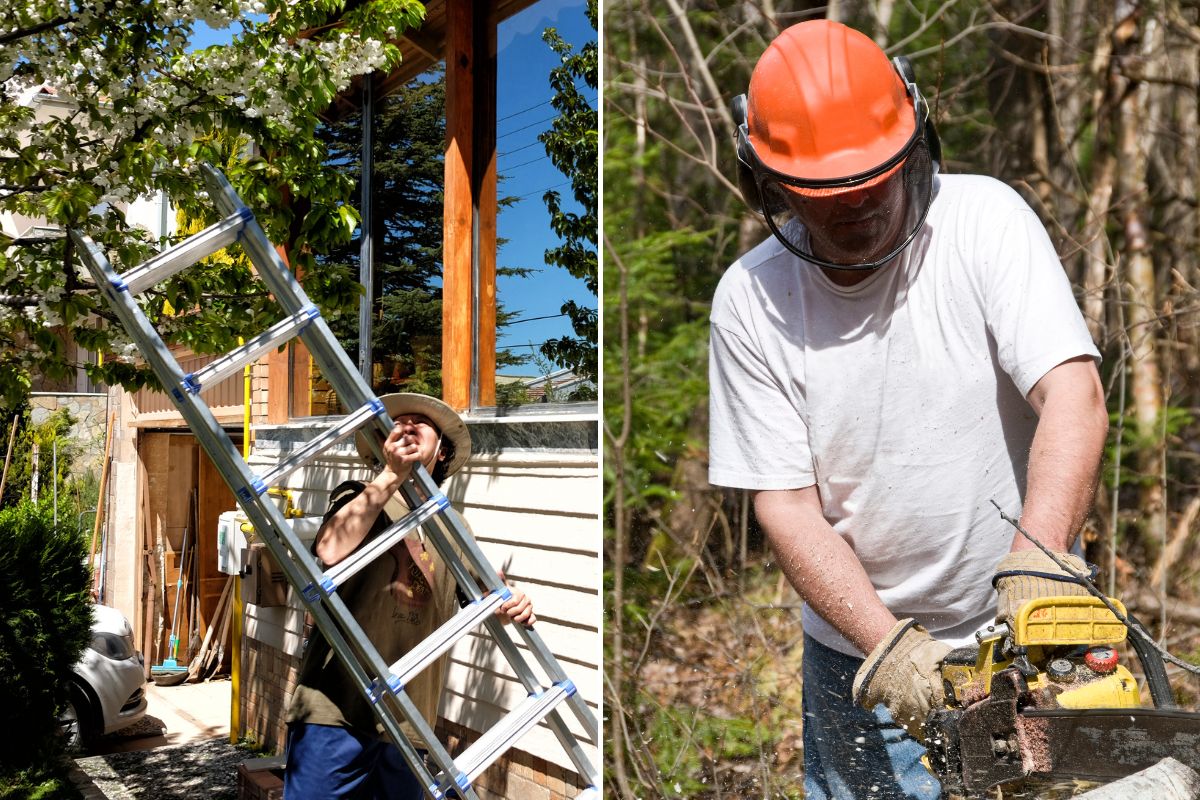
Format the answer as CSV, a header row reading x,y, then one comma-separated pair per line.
x,y
1133,626
1154,668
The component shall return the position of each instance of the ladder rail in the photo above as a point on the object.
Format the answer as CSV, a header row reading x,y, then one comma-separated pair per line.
x,y
537,646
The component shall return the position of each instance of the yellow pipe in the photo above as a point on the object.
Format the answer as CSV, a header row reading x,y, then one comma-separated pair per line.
x,y
235,665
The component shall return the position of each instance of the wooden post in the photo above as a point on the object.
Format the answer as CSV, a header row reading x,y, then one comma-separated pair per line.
x,y
12,434
99,519
469,228
484,117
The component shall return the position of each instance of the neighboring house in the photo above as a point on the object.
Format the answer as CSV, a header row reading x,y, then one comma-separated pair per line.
x,y
560,386
531,491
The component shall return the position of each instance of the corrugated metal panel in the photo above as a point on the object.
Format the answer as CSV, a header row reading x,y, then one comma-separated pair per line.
x,y
222,398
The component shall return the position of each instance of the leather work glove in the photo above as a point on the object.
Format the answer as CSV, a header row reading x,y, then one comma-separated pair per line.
x,y
1029,574
904,673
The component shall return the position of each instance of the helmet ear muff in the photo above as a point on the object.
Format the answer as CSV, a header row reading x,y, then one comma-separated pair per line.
x,y
909,75
745,173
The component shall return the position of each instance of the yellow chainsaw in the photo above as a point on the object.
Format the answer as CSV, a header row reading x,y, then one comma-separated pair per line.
x,y
1049,698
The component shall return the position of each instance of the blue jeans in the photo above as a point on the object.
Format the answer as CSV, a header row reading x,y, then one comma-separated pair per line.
x,y
851,753
325,762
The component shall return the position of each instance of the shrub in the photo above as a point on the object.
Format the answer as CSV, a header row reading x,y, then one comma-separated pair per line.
x,y
45,622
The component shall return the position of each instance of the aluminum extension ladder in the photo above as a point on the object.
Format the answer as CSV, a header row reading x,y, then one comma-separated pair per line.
x,y
380,683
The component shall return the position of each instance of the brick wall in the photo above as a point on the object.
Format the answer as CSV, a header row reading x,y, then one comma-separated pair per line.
x,y
517,775
265,691
268,688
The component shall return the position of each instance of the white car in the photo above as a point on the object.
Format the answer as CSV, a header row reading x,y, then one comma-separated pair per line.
x,y
106,685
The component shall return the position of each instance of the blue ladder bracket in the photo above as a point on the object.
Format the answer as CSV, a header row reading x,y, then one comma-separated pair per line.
x,y
376,691
504,592
311,312
257,485
119,284
190,383
441,501
246,215
313,591
376,406
568,686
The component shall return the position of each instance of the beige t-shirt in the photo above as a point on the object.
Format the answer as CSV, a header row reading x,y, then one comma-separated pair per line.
x,y
325,691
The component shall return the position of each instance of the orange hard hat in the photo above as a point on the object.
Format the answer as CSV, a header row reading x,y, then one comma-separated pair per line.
x,y
826,103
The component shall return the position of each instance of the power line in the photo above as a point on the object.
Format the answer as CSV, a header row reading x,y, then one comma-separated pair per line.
x,y
539,105
540,121
542,191
531,319
526,163
526,127
519,149
530,346
524,110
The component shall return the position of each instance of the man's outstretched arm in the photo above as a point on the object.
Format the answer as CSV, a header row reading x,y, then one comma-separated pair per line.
x,y
1064,460
902,665
821,566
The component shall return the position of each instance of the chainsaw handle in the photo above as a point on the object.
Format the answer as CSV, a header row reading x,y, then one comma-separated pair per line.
x,y
1153,667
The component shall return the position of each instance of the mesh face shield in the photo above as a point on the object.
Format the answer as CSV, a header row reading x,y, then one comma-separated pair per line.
x,y
857,222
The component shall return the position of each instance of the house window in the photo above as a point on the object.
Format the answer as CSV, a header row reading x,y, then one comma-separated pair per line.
x,y
537,348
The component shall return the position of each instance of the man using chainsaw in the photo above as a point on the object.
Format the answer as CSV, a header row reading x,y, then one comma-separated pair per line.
x,y
901,352
335,744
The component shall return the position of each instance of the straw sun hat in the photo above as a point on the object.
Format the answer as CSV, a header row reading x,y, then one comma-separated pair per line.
x,y
445,418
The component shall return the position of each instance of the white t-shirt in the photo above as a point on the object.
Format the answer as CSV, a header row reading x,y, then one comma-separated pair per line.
x,y
902,398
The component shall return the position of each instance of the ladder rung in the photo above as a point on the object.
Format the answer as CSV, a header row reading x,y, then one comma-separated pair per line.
x,y
467,619
234,360
184,254
516,723
341,572
313,449
344,428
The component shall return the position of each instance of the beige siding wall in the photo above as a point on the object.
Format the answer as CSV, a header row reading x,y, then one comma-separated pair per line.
x,y
537,513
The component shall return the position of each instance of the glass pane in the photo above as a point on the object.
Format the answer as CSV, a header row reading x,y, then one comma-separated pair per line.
x,y
532,290
406,332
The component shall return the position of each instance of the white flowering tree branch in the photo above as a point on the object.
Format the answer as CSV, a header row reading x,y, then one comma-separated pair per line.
x,y
133,112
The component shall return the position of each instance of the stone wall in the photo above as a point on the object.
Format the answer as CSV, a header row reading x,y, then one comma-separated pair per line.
x,y
87,434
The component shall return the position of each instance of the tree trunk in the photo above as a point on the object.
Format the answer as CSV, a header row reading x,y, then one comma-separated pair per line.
x,y
1166,780
1145,374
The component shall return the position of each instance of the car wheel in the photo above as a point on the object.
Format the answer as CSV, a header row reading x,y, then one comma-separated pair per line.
x,y
78,721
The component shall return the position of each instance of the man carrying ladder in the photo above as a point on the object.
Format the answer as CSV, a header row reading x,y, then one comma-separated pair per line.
x,y
336,747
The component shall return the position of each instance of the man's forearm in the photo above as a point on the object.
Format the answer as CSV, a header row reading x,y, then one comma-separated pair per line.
x,y
346,529
1065,457
822,567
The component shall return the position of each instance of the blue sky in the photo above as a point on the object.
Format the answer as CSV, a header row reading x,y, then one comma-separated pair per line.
x,y
523,111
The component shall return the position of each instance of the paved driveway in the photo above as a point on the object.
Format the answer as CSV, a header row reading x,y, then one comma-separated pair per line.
x,y
179,750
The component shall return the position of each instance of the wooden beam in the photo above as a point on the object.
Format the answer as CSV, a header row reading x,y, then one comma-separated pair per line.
x,y
486,204
469,248
458,213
